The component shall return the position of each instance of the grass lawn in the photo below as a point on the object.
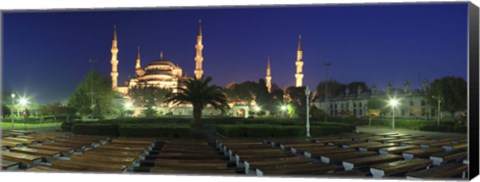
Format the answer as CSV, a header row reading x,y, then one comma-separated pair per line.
x,y
30,126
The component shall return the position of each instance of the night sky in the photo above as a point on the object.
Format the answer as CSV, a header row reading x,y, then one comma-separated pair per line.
x,y
45,54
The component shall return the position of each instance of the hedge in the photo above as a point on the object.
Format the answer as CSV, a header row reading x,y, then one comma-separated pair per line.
x,y
154,130
263,130
95,129
133,130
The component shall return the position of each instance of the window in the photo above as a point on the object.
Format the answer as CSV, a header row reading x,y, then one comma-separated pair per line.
x,y
360,112
360,104
411,103
423,103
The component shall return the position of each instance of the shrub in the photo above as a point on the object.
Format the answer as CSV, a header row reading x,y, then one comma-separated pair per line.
x,y
154,130
104,129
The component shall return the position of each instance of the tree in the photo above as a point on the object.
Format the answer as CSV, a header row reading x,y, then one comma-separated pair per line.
x,y
334,88
297,99
452,91
57,109
103,96
200,94
375,106
5,110
149,98
143,96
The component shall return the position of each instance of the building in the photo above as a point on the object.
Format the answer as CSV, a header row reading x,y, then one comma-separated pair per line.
x,y
411,103
161,73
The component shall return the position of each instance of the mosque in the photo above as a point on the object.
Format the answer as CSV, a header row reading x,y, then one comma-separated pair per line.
x,y
163,73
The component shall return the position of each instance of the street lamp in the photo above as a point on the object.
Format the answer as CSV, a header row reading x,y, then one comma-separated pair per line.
x,y
307,94
438,109
393,102
11,110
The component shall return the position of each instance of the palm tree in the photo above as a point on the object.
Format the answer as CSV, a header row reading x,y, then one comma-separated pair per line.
x,y
199,93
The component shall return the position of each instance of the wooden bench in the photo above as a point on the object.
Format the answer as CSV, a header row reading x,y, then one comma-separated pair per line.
x,y
459,146
410,154
303,169
376,147
299,145
319,153
121,148
63,150
48,154
440,158
133,141
200,164
20,140
361,144
8,165
25,160
439,172
9,144
44,169
384,139
113,153
183,150
175,155
399,167
398,141
436,144
70,165
396,149
302,150
66,144
103,159
350,164
170,170
348,174
338,157
260,163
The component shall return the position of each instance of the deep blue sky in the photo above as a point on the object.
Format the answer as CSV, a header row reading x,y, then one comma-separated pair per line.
x,y
46,53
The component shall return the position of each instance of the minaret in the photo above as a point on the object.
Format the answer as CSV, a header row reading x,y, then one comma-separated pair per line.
x,y
268,78
114,60
198,57
299,64
138,66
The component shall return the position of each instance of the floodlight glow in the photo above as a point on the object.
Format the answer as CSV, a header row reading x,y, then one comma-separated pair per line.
x,y
128,105
257,108
393,102
23,102
283,108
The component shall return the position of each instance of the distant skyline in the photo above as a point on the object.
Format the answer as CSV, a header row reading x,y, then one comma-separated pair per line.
x,y
46,53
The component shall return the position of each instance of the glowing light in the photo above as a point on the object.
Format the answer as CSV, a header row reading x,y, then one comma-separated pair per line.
x,y
283,108
393,102
23,102
257,108
128,105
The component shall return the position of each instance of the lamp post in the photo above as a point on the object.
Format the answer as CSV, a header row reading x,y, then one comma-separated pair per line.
x,y
438,109
307,94
393,102
11,111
